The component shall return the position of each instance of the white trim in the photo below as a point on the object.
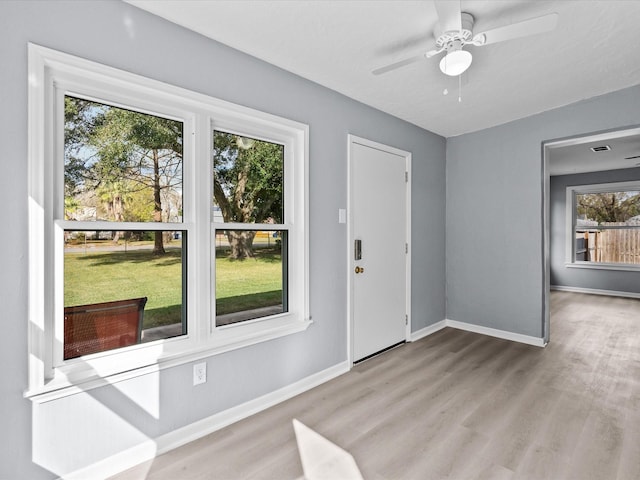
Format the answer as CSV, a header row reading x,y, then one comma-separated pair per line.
x,y
139,87
621,267
54,391
546,240
492,332
547,146
409,159
53,73
569,222
469,327
606,187
429,330
595,291
351,140
571,227
349,258
151,448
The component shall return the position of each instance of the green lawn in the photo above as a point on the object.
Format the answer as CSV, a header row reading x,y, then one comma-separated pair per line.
x,y
99,276
247,284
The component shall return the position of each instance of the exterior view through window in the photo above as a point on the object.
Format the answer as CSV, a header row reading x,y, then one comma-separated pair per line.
x,y
164,224
250,229
123,284
607,227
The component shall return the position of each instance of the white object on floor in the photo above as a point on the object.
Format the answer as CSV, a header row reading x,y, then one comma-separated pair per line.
x,y
322,459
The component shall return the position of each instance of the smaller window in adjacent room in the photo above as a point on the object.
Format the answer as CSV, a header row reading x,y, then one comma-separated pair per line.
x,y
604,225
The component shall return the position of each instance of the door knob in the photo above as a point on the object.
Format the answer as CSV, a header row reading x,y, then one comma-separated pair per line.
x,y
359,269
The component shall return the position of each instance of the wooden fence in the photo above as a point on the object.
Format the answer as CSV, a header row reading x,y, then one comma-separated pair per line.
x,y
621,245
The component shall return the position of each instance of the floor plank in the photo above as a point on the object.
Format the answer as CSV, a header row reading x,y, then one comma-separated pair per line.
x,y
458,405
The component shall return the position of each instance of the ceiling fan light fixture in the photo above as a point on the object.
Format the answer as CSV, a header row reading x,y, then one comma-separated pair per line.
x,y
455,62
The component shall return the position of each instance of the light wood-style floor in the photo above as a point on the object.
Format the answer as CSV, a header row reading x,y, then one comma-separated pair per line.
x,y
459,405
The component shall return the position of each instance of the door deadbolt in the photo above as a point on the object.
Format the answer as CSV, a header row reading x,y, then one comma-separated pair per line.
x,y
359,269
357,250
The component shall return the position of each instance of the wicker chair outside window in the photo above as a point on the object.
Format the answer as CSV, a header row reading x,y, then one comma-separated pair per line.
x,y
104,326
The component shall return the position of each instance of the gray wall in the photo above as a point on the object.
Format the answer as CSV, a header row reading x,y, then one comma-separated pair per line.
x,y
615,280
494,204
42,441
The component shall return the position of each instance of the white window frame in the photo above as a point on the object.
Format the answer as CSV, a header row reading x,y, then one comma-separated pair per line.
x,y
53,74
288,222
571,214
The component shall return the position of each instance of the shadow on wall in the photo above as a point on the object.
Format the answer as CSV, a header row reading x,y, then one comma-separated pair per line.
x,y
130,410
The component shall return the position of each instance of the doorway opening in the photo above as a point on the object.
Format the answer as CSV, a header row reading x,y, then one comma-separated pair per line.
x,y
578,172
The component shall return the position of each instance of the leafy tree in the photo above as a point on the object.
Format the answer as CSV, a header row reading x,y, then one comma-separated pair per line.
x,y
144,149
120,152
81,118
138,206
247,186
609,206
71,206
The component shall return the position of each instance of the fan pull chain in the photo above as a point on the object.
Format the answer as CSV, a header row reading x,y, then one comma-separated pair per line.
x,y
460,88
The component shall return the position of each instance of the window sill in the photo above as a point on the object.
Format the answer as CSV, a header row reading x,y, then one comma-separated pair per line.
x,y
62,387
604,266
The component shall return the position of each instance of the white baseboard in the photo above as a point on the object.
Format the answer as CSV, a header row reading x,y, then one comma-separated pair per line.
x,y
426,331
595,291
153,447
492,332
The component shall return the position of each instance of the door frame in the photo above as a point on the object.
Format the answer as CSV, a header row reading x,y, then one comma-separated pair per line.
x,y
351,140
547,146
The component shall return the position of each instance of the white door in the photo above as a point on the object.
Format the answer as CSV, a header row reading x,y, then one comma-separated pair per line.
x,y
379,233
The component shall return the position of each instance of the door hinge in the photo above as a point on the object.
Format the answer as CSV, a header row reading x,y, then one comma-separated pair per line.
x,y
406,177
406,319
406,248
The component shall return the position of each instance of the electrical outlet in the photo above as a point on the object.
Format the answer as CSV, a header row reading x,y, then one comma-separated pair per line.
x,y
199,373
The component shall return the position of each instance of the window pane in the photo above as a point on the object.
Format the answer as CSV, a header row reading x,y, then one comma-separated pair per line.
x,y
254,284
120,165
608,208
608,246
117,292
248,179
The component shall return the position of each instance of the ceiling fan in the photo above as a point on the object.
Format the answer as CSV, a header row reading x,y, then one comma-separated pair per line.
x,y
456,31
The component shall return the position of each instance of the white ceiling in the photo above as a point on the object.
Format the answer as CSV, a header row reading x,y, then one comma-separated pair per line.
x,y
576,156
595,49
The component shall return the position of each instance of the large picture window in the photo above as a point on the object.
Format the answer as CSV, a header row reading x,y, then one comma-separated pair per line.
x,y
604,225
165,225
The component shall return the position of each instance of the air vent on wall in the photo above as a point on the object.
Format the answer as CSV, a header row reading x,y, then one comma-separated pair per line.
x,y
602,148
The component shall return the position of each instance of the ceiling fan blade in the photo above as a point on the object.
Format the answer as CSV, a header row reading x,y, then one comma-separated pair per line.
x,y
449,15
401,63
435,51
525,28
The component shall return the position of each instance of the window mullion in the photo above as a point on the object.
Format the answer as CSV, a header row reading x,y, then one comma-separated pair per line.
x,y
59,79
251,226
201,259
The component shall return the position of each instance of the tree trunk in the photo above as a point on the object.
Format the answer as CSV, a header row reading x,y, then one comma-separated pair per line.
x,y
117,214
241,243
158,245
